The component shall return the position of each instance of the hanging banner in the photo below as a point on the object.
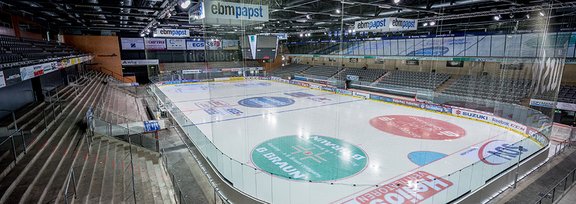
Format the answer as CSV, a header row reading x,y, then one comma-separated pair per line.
x,y
176,44
132,43
236,11
155,44
371,25
172,33
252,40
195,44
386,25
401,24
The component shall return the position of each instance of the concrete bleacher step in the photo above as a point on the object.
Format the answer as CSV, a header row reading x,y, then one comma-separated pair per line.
x,y
16,186
32,138
106,176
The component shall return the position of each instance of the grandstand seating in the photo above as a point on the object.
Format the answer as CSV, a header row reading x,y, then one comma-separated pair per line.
x,y
567,94
322,71
55,146
288,70
120,106
507,90
415,79
14,49
367,75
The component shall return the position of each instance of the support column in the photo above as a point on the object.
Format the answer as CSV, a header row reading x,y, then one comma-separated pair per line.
x,y
15,25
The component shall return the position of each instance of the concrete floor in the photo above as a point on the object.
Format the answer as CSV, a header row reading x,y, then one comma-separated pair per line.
x,y
540,181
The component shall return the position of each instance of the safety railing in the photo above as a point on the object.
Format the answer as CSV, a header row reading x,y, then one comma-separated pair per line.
x,y
271,188
558,190
12,147
181,195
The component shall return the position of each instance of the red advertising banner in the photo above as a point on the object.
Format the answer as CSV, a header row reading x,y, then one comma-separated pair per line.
x,y
413,188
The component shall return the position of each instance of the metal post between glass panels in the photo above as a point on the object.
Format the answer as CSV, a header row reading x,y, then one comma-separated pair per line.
x,y
74,183
13,148
132,166
44,116
23,141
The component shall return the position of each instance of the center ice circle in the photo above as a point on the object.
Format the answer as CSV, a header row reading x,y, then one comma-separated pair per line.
x,y
312,158
417,127
266,102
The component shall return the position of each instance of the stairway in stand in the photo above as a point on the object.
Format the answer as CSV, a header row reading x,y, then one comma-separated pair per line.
x,y
106,176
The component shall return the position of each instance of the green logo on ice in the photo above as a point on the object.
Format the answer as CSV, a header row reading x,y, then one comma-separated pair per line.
x,y
314,158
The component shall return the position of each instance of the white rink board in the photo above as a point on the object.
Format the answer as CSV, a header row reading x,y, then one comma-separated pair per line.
x,y
236,130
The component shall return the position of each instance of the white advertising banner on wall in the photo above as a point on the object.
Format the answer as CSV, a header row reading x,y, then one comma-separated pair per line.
x,y
155,44
172,33
214,44
195,45
139,62
566,106
230,44
132,43
176,44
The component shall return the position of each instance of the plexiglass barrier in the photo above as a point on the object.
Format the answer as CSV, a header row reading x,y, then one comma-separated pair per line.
x,y
443,188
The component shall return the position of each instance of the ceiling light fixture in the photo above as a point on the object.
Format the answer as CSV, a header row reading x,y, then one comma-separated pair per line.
x,y
497,18
396,1
432,23
338,11
541,13
185,4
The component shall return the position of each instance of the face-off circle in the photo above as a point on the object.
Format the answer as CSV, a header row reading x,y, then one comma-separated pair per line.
x,y
417,127
266,102
313,158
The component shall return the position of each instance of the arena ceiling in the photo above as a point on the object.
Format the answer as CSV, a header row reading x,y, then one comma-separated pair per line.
x,y
294,16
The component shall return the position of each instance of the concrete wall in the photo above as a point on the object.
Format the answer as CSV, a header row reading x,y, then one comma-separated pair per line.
x,y
106,52
470,68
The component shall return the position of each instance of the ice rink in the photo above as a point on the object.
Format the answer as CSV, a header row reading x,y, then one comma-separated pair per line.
x,y
309,139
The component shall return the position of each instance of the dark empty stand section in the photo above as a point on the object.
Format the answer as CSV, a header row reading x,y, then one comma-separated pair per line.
x,y
289,70
425,80
322,71
14,49
507,90
567,94
367,75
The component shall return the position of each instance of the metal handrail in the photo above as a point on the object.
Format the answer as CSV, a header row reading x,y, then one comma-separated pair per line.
x,y
552,191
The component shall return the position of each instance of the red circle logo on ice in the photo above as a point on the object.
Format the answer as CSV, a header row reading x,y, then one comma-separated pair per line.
x,y
417,127
496,152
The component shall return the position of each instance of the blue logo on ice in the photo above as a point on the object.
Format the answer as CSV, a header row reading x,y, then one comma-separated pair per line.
x,y
422,158
266,102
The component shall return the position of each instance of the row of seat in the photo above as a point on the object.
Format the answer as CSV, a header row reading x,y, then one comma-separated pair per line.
x,y
567,94
322,71
367,75
288,70
425,80
14,49
508,90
